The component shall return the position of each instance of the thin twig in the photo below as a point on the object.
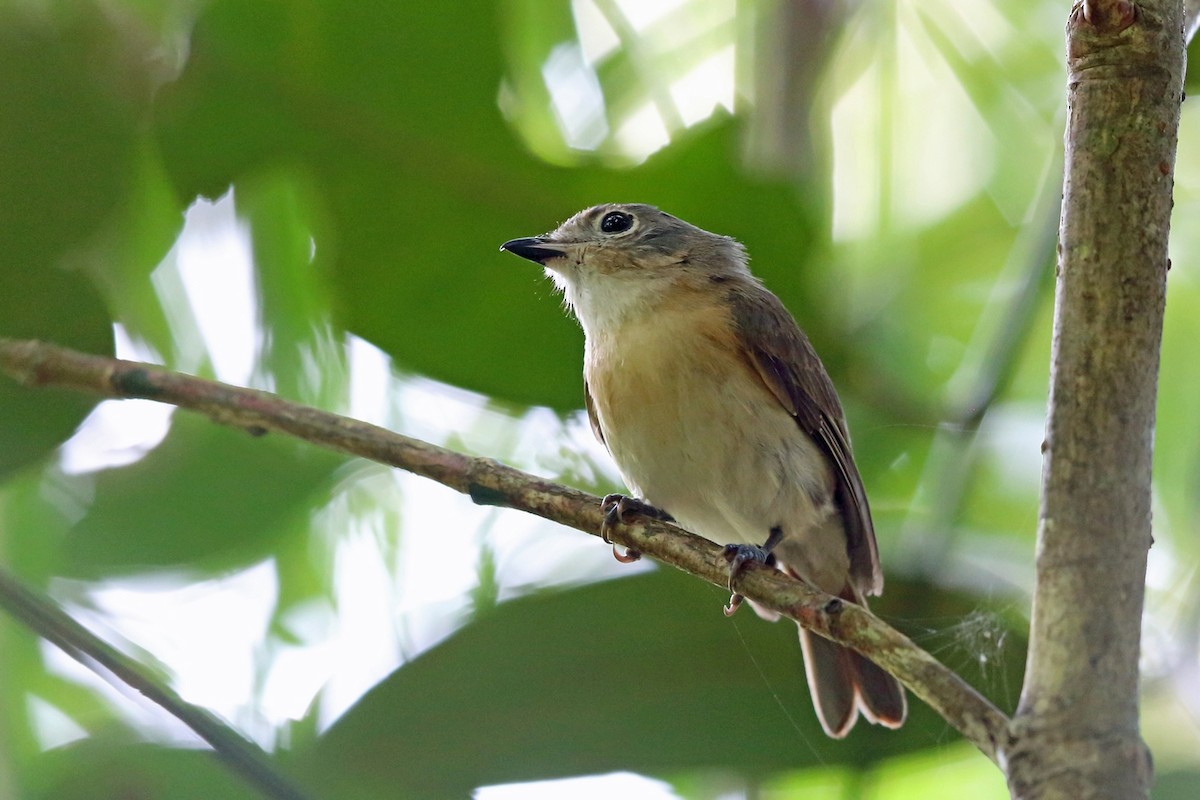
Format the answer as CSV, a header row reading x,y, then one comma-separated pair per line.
x,y
491,483
45,617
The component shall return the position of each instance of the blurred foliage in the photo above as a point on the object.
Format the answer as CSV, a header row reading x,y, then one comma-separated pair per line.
x,y
114,768
742,685
895,182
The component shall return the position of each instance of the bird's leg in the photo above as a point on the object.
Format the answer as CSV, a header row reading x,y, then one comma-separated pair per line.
x,y
616,507
739,555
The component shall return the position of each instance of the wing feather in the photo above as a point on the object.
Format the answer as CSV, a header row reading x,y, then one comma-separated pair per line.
x,y
785,360
593,419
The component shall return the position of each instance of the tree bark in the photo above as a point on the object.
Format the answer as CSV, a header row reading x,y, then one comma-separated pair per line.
x,y
1075,734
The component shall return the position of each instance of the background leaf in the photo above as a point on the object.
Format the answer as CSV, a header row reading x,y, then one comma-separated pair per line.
x,y
643,673
308,197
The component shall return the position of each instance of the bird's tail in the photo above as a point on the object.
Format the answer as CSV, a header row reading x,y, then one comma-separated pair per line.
x,y
843,683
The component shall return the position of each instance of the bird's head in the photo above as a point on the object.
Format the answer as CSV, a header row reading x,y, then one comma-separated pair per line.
x,y
618,259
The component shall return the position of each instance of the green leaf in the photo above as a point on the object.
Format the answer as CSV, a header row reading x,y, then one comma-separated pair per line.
x,y
99,770
423,181
641,674
208,496
67,134
63,308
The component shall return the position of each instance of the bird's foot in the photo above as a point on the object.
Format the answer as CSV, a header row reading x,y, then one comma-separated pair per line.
x,y
616,508
740,556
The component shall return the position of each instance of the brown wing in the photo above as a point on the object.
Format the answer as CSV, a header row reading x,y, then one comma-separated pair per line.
x,y
788,365
590,404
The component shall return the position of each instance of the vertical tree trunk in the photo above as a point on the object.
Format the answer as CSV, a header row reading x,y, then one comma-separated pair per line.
x,y
1076,733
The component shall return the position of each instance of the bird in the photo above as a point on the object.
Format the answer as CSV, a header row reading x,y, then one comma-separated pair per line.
x,y
720,415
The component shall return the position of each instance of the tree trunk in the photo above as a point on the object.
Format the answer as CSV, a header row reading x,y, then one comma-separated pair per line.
x,y
1075,734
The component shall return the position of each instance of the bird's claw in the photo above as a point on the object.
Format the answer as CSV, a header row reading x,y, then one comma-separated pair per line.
x,y
739,557
735,602
616,508
629,556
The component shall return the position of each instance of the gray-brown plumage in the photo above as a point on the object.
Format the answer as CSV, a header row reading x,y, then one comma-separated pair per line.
x,y
717,410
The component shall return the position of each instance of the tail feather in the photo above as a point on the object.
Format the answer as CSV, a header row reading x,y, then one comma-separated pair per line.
x,y
842,683
881,697
831,683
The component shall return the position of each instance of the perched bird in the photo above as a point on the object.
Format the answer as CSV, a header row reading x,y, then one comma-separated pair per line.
x,y
718,411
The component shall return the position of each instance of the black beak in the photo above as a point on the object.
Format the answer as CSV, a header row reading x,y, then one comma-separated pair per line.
x,y
535,248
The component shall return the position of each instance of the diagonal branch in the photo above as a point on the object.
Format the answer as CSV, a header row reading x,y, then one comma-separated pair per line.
x,y
490,483
53,624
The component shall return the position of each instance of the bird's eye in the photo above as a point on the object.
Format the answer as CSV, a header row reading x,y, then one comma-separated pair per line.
x,y
616,221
